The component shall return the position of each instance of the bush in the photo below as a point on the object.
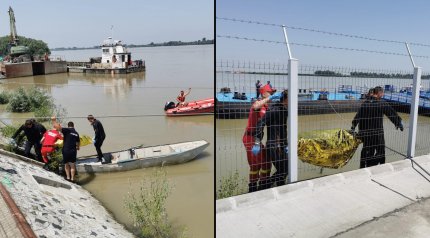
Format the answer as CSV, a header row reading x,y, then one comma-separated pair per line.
x,y
35,100
39,99
19,101
147,206
231,186
4,98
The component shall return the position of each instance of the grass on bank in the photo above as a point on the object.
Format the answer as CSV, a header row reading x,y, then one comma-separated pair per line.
x,y
147,207
231,185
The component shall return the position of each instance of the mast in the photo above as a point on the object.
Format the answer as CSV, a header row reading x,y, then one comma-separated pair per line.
x,y
13,34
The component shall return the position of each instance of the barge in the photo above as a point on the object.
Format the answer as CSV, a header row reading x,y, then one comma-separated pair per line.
x,y
234,105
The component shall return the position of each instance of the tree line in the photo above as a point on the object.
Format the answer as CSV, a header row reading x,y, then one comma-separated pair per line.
x,y
367,74
203,41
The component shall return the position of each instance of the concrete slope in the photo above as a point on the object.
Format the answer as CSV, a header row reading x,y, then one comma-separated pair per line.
x,y
52,206
326,206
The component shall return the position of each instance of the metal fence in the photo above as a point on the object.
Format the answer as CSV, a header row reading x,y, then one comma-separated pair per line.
x,y
389,110
328,99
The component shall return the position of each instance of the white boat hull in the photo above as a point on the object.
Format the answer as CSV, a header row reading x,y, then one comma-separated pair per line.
x,y
146,157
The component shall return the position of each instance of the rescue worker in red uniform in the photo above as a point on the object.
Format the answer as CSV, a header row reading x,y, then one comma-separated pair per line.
x,y
259,166
181,98
48,144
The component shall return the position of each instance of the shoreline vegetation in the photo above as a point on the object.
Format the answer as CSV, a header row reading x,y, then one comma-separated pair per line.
x,y
203,41
335,74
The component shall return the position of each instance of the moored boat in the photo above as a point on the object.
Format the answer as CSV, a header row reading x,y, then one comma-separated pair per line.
x,y
198,107
115,59
143,157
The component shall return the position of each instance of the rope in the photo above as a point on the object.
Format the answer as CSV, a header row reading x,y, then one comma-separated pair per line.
x,y
105,116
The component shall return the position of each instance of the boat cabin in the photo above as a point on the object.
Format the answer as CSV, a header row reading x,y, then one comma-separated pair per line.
x,y
115,54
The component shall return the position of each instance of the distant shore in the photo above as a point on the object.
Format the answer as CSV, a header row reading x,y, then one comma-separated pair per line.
x,y
152,44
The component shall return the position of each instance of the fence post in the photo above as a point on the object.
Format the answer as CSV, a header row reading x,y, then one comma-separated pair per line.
x,y
413,118
292,119
293,95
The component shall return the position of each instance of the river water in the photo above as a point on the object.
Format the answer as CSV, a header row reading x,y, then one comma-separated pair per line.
x,y
231,155
169,70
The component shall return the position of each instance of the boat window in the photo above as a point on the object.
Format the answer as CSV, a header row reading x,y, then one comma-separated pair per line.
x,y
105,50
123,58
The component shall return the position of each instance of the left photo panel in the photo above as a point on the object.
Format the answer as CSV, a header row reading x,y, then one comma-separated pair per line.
x,y
107,119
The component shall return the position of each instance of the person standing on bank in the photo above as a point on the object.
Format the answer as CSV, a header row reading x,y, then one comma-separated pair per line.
x,y
259,167
99,136
257,88
277,143
371,129
70,149
34,133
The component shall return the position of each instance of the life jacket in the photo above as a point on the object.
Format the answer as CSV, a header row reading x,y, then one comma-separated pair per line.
x,y
181,98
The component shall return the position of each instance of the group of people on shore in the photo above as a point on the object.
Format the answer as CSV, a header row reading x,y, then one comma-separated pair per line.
x,y
265,112
44,142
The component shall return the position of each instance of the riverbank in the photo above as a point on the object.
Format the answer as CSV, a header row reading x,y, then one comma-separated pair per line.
x,y
52,206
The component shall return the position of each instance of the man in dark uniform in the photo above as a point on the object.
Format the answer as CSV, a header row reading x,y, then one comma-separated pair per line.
x,y
70,148
371,129
34,133
257,88
277,144
99,135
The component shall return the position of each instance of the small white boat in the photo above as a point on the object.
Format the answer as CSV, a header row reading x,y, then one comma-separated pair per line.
x,y
143,157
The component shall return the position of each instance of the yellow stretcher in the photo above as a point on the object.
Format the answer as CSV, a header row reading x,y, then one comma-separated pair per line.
x,y
327,148
84,140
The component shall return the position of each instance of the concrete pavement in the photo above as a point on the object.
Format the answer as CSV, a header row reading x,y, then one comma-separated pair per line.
x,y
331,206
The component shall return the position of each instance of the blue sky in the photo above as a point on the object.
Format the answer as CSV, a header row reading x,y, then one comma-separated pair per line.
x,y
382,19
87,23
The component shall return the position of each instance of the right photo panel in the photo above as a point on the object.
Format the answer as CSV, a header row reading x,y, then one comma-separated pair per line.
x,y
322,119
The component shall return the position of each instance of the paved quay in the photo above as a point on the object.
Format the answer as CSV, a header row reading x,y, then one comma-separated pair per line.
x,y
51,206
390,200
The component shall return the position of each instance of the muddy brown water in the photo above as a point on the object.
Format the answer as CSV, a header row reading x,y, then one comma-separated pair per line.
x,y
169,70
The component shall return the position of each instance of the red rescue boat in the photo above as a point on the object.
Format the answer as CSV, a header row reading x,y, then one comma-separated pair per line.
x,y
190,108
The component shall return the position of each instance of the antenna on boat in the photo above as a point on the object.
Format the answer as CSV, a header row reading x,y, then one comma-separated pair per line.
x,y
111,31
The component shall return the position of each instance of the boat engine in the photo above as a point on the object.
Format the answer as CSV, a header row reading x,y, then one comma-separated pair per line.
x,y
169,105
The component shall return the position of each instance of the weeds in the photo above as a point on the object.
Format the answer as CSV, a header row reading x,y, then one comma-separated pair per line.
x,y
230,186
147,207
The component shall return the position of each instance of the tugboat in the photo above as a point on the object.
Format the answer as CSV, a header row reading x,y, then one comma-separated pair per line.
x,y
116,59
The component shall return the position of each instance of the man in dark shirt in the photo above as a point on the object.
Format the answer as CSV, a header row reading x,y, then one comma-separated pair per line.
x,y
34,133
257,88
277,143
70,148
99,136
371,129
